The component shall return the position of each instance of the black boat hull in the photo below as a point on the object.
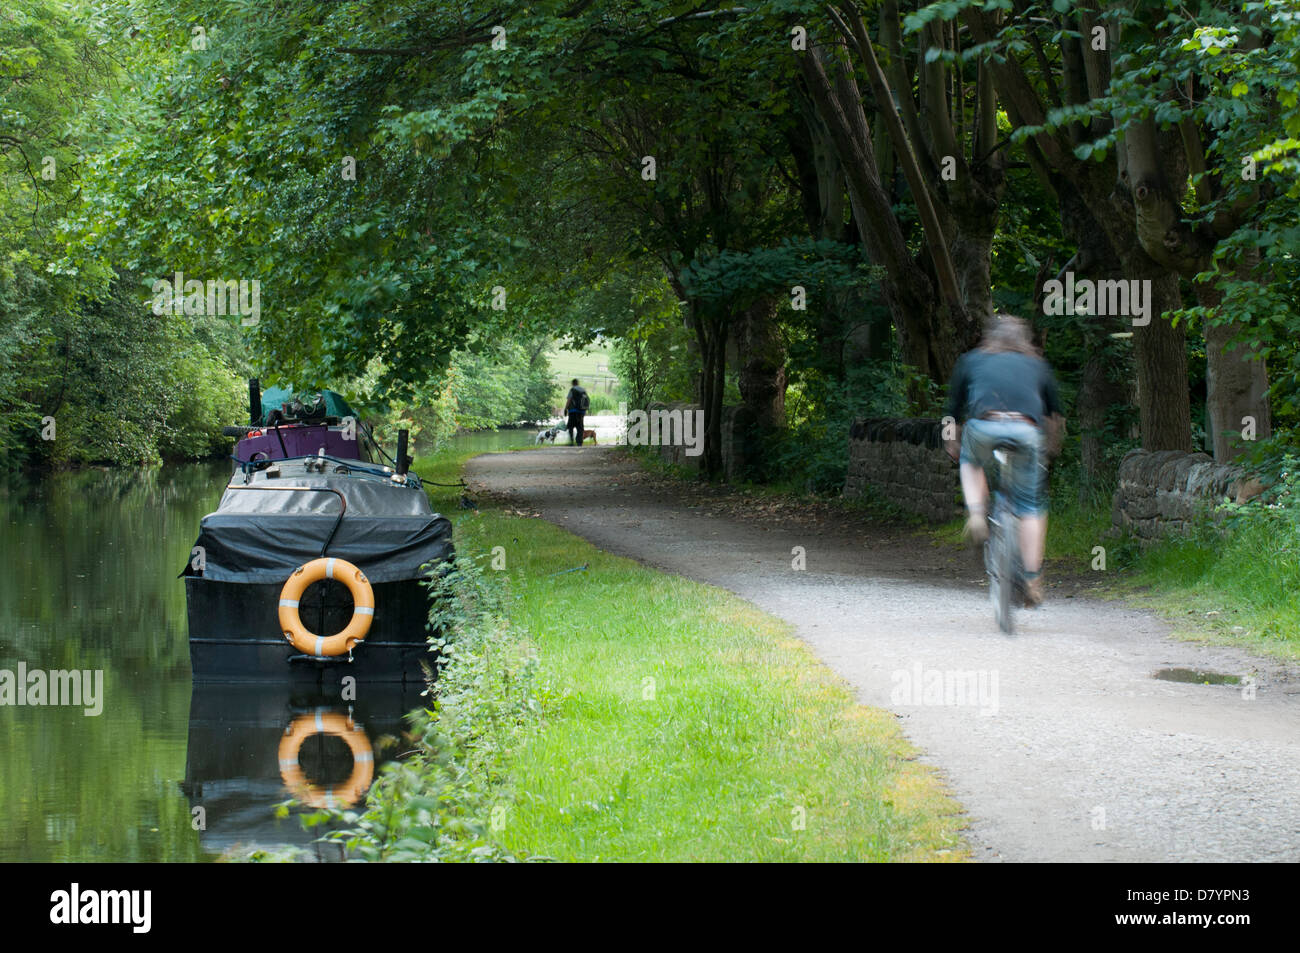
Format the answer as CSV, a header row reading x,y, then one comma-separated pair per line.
x,y
235,635
237,737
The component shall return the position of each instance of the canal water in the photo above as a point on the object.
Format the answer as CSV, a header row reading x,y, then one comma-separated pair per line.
x,y
144,768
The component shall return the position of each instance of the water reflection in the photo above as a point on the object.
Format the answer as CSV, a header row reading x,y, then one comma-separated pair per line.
x,y
90,562
481,441
89,583
252,747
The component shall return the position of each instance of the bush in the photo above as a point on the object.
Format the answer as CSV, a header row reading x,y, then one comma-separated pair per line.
x,y
436,804
124,386
812,451
602,404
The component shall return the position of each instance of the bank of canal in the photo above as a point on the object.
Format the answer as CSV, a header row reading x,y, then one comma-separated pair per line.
x,y
160,773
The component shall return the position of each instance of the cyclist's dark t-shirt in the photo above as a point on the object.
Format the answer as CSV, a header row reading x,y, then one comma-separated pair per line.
x,y
1008,381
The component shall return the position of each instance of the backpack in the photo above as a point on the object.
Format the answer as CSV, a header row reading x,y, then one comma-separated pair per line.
x,y
583,402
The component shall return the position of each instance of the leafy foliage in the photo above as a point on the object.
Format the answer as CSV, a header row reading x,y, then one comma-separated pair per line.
x,y
436,804
80,346
811,452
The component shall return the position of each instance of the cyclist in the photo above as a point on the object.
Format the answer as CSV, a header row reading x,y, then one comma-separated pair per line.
x,y
1004,390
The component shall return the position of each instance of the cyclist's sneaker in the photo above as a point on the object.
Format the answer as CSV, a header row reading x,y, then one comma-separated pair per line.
x,y
977,529
1033,592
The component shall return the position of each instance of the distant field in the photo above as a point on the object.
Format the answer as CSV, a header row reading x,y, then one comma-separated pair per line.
x,y
592,366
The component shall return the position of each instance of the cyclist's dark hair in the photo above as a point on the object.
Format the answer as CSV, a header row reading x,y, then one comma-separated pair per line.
x,y
1006,332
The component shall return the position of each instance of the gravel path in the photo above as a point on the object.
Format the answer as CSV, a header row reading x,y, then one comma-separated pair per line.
x,y
1058,740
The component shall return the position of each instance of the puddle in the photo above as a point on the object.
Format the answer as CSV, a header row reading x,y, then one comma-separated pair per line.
x,y
1196,677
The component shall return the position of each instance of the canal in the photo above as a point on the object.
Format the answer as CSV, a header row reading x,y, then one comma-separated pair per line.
x,y
161,772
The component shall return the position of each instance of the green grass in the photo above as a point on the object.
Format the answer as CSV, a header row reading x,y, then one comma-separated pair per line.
x,y
584,364
443,468
684,724
1074,530
1237,589
1229,587
577,363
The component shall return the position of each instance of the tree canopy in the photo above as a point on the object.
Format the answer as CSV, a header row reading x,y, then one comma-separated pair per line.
x,y
810,204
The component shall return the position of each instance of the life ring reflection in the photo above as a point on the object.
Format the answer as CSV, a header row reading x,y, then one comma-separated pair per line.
x,y
336,724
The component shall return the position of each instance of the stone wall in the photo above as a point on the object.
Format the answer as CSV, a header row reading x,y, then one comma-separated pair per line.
x,y
903,461
1167,490
736,427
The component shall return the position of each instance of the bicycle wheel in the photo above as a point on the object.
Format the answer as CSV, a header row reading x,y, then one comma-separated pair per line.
x,y
1001,565
1007,575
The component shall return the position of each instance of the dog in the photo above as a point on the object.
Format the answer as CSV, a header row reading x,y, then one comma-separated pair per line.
x,y
589,435
545,436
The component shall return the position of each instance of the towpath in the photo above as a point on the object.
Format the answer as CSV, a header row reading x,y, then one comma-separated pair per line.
x,y
1076,752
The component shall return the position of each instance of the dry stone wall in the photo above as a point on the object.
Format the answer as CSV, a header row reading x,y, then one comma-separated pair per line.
x,y
903,461
1168,490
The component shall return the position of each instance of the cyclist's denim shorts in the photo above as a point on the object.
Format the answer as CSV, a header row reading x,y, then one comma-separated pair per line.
x,y
1029,477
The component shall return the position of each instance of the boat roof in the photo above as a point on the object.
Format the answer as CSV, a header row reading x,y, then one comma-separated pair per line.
x,y
334,403
297,487
271,521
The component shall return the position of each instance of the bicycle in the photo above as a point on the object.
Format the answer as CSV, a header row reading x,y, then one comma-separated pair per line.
x,y
1002,548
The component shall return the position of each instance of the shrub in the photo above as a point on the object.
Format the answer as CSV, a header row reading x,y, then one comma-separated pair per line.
x,y
437,803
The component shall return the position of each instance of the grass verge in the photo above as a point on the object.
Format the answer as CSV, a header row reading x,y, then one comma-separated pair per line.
x,y
661,720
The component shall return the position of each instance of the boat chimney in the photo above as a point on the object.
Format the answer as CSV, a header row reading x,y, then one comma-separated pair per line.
x,y
403,461
254,402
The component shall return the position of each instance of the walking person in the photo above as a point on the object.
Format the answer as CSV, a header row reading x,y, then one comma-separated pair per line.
x,y
1004,389
575,410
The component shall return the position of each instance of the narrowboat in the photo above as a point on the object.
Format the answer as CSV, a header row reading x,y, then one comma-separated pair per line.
x,y
314,565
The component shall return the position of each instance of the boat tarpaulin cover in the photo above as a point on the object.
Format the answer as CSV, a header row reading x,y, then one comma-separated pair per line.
x,y
331,402
263,535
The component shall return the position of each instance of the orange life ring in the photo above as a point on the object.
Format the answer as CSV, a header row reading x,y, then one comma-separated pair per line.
x,y
326,722
363,607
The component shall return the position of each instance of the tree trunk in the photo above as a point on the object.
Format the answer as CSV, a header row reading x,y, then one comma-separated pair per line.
x,y
761,363
1236,380
717,378
1237,394
925,333
1160,350
822,194
1098,391
972,249
1097,197
1151,174
710,322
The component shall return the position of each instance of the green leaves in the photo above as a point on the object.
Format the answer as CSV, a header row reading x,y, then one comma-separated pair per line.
x,y
438,803
1096,150
741,276
945,11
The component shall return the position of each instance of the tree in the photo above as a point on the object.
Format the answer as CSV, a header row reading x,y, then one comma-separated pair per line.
x,y
1048,88
82,361
1196,98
